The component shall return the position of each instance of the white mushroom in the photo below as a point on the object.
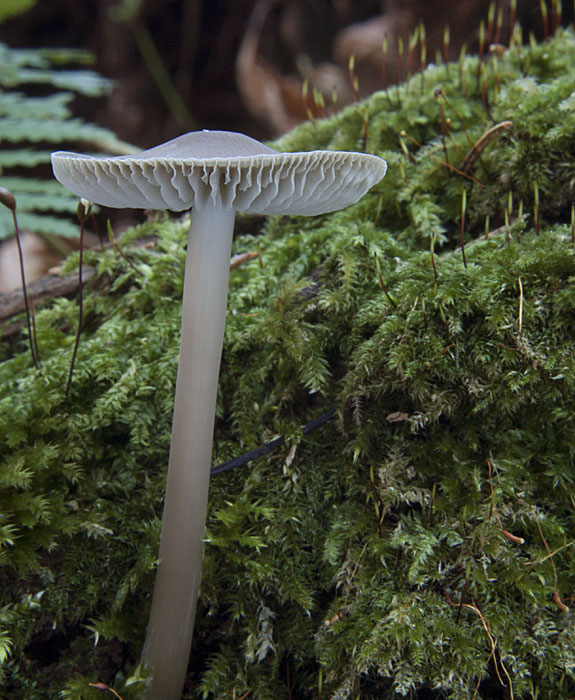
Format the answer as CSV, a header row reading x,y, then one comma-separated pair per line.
x,y
215,174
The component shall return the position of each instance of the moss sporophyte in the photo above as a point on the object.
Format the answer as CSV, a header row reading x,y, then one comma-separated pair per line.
x,y
422,541
215,174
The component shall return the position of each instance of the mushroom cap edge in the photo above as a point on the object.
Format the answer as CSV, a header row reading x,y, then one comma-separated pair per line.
x,y
265,182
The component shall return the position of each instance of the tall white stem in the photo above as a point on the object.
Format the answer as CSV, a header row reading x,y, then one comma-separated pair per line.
x,y
169,635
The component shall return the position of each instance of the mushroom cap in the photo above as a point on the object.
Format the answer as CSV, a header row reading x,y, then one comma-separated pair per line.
x,y
224,166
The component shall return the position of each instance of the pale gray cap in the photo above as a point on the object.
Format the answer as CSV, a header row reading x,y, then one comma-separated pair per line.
x,y
235,169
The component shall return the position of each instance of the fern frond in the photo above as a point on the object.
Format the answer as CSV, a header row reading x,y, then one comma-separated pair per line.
x,y
25,121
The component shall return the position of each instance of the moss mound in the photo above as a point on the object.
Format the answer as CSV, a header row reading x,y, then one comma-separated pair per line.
x,y
421,543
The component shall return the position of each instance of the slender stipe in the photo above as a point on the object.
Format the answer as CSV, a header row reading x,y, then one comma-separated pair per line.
x,y
9,201
82,212
462,239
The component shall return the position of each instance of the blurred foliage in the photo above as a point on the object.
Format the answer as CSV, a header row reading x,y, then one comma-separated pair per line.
x,y
11,8
36,93
420,545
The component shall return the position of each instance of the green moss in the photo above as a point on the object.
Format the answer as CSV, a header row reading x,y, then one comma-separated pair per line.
x,y
335,567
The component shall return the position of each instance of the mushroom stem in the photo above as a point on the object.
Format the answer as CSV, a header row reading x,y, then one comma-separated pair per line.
x,y
168,641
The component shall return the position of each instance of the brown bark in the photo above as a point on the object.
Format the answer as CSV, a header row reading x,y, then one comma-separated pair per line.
x,y
42,290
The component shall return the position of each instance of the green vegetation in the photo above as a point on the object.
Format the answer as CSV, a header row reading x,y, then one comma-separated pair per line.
x,y
419,545
36,93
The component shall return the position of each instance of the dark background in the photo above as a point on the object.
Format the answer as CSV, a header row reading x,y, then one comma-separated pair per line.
x,y
240,64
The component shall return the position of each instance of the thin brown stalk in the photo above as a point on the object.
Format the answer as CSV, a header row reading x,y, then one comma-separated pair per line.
x,y
482,143
103,686
556,597
9,201
114,242
462,230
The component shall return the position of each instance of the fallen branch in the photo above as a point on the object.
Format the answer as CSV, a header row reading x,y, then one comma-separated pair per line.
x,y
43,290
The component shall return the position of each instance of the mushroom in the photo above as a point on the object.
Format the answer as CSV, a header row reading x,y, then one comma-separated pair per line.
x,y
214,174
